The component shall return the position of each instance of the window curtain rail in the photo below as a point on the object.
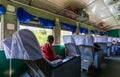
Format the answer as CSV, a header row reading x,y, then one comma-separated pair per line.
x,y
2,10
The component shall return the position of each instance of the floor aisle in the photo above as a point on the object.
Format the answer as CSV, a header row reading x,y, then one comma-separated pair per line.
x,y
111,68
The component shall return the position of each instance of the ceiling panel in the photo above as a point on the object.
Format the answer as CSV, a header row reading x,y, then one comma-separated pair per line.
x,y
107,11
87,2
43,4
97,5
61,3
111,21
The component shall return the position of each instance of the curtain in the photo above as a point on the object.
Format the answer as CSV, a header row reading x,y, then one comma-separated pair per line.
x,y
83,30
2,9
101,33
70,27
105,33
96,32
92,32
46,23
24,16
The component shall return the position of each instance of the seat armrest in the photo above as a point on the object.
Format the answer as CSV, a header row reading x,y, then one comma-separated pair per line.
x,y
70,68
66,60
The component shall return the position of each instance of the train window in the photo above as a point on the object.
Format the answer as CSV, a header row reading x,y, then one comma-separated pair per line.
x,y
63,33
40,33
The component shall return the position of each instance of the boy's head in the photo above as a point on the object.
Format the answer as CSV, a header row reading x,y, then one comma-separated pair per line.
x,y
50,39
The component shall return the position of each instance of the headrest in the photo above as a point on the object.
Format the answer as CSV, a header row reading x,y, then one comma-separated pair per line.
x,y
89,40
118,39
101,39
25,45
83,40
79,39
68,39
114,38
7,47
110,39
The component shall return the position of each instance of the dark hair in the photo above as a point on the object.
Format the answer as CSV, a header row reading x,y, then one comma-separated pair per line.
x,y
50,38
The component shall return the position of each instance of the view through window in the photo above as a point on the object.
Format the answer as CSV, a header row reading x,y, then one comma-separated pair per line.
x,y
63,33
40,33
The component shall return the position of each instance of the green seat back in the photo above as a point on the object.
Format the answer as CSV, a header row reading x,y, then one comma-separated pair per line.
x,y
18,66
60,50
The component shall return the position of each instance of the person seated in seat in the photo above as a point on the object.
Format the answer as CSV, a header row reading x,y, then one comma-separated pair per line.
x,y
48,50
96,47
114,47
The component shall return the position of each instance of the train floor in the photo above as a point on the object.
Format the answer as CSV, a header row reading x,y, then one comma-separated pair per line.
x,y
110,68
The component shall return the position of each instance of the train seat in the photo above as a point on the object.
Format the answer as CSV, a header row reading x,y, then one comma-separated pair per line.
x,y
85,48
71,49
25,47
102,42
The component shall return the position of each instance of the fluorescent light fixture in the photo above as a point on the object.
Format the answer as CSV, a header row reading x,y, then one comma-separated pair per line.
x,y
91,1
94,9
111,10
104,20
101,16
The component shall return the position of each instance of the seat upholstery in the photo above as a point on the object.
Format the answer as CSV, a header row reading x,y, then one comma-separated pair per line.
x,y
70,46
99,55
102,42
85,49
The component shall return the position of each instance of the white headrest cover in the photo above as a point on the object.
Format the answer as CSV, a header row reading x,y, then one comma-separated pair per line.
x,y
110,39
89,40
101,39
25,46
68,39
79,39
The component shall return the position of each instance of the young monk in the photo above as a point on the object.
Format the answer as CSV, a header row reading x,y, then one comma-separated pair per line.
x,y
48,50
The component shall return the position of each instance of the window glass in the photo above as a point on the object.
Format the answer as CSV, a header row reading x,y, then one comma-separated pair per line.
x,y
40,33
63,33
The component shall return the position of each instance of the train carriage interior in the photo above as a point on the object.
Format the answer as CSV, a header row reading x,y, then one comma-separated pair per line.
x,y
85,38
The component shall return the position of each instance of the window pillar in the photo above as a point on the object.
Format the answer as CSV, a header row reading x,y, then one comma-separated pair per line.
x,y
56,31
77,29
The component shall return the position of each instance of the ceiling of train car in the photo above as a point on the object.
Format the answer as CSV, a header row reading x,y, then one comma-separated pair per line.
x,y
102,13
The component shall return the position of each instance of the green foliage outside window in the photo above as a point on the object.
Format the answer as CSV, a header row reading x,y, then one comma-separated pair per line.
x,y
41,35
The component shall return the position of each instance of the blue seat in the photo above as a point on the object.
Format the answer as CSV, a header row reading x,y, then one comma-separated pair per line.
x,y
100,54
71,49
85,48
102,42
98,58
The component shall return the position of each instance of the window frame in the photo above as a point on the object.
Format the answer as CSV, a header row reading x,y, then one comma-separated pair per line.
x,y
35,26
2,31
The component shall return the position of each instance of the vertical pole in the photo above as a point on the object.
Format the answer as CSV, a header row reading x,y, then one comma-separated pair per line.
x,y
56,31
10,68
77,30
88,31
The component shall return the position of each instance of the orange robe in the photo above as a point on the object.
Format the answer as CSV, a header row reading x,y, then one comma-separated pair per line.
x,y
48,52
